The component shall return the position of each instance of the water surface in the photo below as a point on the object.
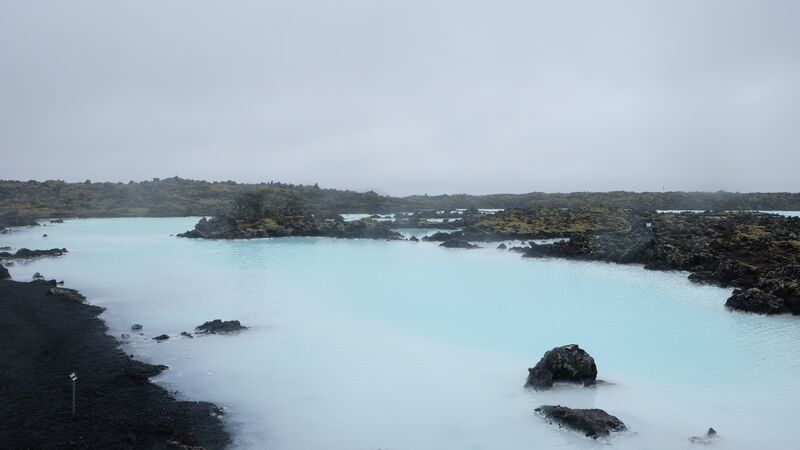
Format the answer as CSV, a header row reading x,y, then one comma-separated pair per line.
x,y
361,344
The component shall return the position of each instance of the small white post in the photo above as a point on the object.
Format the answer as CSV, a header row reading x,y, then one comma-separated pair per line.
x,y
74,378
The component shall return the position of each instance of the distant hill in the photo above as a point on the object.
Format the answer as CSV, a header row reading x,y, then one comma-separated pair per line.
x,y
179,197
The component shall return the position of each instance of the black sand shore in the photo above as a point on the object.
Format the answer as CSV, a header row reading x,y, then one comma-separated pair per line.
x,y
42,339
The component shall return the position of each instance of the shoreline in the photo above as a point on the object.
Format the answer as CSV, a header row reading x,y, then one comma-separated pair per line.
x,y
43,338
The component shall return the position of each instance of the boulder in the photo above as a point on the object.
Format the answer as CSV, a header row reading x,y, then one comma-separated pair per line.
x,y
757,301
706,439
413,239
457,243
567,363
4,273
220,326
187,334
38,276
502,246
67,294
136,326
591,422
160,338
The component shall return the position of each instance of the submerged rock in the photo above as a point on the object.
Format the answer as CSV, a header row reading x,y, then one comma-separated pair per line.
x,y
136,326
567,363
187,334
160,338
68,294
591,422
457,243
707,439
220,326
757,301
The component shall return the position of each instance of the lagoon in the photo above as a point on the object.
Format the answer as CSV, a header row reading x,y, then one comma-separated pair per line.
x,y
364,344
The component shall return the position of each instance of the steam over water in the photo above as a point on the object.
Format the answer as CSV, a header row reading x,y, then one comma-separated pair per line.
x,y
364,345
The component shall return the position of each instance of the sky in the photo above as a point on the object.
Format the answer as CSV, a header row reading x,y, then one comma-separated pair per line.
x,y
405,97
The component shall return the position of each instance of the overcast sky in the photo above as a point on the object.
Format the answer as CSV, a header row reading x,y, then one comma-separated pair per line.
x,y
405,96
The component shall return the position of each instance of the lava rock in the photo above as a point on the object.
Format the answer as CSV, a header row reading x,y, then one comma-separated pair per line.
x,y
757,301
567,363
28,253
67,294
220,326
591,422
457,243
707,439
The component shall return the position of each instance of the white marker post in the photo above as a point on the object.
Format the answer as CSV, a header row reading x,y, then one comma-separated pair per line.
x,y
74,378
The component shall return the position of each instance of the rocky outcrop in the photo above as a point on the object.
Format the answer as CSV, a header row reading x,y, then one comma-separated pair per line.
x,y
232,227
457,243
441,236
740,250
568,363
220,326
592,423
7,221
25,253
708,438
757,301
4,273
67,294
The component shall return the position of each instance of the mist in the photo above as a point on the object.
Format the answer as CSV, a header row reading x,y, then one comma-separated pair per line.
x,y
369,344
405,97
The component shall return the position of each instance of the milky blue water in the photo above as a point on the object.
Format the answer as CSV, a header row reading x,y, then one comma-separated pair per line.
x,y
361,344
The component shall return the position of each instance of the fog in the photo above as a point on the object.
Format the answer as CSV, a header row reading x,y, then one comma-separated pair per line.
x,y
405,97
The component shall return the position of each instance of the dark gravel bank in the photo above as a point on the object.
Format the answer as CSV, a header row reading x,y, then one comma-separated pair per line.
x,y
42,339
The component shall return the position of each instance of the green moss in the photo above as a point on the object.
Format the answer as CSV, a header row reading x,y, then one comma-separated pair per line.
x,y
269,225
750,233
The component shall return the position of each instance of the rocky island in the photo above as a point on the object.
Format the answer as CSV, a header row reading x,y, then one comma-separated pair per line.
x,y
256,215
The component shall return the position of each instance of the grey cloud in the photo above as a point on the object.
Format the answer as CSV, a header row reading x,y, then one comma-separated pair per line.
x,y
405,97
